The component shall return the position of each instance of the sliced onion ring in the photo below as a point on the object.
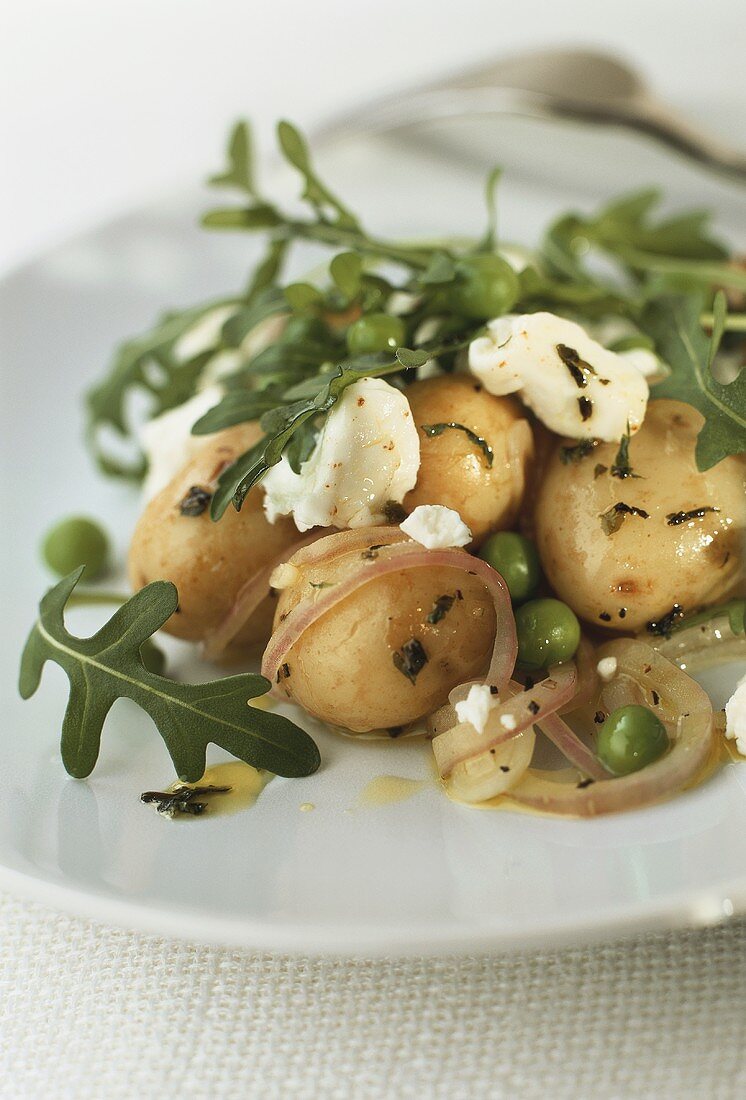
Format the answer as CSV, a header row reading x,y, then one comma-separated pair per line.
x,y
686,758
522,709
393,557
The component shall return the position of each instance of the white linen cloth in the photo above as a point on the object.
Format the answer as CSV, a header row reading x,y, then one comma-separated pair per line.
x,y
89,1012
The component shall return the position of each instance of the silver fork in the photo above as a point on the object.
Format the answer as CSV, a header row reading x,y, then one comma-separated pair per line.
x,y
570,84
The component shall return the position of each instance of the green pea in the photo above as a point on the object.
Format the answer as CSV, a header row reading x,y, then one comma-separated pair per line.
x,y
516,560
486,286
630,738
548,633
74,542
153,657
375,332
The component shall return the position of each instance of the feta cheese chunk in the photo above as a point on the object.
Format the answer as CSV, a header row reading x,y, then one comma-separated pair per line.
x,y
436,527
576,387
367,454
606,668
475,708
168,442
735,717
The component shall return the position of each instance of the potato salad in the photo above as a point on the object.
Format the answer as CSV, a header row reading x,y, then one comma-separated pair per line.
x,y
429,490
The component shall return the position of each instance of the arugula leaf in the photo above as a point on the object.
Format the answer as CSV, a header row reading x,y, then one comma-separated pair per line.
x,y
240,170
147,363
109,666
295,150
674,323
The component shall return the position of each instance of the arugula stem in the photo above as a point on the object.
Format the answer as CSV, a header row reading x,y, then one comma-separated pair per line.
x,y
734,322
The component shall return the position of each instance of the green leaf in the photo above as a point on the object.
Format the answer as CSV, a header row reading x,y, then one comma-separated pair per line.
x,y
295,151
240,170
261,216
302,297
412,358
236,407
109,666
147,364
439,271
674,324
265,303
346,270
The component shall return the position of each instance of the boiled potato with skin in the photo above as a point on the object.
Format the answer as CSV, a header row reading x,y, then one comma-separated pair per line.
x,y
453,469
635,575
208,561
343,668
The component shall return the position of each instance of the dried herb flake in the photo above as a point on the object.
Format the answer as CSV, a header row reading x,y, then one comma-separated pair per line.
x,y
410,659
477,440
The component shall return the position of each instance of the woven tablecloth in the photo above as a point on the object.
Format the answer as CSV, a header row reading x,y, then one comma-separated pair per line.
x,y
88,1011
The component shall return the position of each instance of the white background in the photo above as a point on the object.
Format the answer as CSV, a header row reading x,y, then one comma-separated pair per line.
x,y
104,103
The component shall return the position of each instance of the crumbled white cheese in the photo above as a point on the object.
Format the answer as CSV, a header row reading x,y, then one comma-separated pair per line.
x,y
606,668
283,576
167,440
436,527
475,708
367,454
735,717
508,721
596,400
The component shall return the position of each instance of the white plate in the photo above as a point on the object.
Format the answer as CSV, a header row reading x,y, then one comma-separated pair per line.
x,y
418,876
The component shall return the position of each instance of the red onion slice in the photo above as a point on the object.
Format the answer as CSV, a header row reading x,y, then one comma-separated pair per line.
x,y
684,761
521,711
571,747
393,557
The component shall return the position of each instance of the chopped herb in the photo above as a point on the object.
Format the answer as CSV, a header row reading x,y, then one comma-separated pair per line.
x,y
621,467
578,368
534,707
441,607
599,469
321,584
673,519
574,454
372,552
586,408
283,672
656,697
504,768
663,626
410,659
196,501
584,783
735,610
622,612
181,800
393,512
493,690
605,616
612,518
477,440
599,717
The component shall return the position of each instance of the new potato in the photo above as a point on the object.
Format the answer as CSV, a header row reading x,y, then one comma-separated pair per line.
x,y
636,575
208,562
453,470
342,668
